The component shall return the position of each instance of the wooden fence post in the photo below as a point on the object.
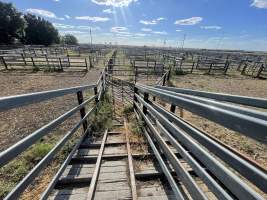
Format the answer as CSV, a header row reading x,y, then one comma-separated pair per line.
x,y
33,64
90,62
260,70
23,58
68,59
86,64
82,110
60,63
4,62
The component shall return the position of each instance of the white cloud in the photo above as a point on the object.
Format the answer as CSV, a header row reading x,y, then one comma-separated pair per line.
x,y
73,32
43,13
93,19
145,22
63,26
160,32
140,34
259,3
56,0
96,28
66,26
211,27
151,22
67,16
178,30
120,31
109,11
160,18
115,3
189,21
146,29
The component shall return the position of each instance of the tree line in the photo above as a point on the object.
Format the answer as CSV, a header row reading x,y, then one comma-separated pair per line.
x,y
28,29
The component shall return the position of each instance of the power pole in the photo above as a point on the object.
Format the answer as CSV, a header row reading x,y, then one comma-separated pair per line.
x,y
183,41
91,37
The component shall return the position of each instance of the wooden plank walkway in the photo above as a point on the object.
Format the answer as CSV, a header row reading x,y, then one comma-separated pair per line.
x,y
114,176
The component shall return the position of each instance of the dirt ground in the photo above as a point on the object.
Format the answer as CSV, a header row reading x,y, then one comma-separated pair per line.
x,y
17,123
231,84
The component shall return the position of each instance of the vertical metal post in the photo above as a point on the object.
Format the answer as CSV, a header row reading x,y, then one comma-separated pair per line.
x,y
95,92
122,93
146,96
164,80
82,110
134,97
173,108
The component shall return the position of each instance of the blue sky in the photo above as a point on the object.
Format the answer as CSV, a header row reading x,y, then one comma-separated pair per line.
x,y
219,24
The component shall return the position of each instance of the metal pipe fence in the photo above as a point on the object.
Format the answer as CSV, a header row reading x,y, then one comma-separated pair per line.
x,y
223,170
18,148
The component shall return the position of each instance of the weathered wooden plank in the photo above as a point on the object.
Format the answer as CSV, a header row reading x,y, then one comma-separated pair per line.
x,y
120,194
87,152
116,138
112,186
79,169
113,176
68,197
115,150
108,169
70,193
95,176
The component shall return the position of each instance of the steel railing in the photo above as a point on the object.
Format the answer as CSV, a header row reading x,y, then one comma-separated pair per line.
x,y
207,156
18,148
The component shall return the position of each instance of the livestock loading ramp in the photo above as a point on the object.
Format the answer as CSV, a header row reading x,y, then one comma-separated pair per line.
x,y
179,161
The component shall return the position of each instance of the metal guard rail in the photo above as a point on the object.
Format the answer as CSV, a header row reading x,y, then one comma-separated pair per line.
x,y
12,152
185,137
252,124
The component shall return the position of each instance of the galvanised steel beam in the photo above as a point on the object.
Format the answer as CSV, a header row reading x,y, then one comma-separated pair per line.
x,y
236,185
10,102
249,101
200,171
226,106
246,169
16,149
15,193
249,126
178,194
52,184
181,172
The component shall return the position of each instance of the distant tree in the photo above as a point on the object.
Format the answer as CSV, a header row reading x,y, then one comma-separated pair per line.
x,y
70,39
12,24
40,31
